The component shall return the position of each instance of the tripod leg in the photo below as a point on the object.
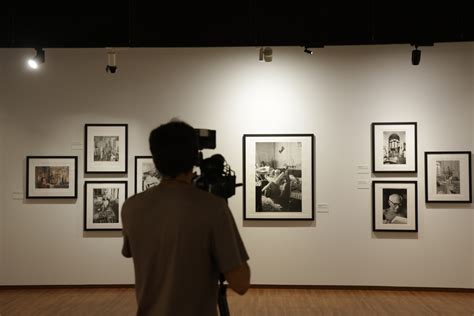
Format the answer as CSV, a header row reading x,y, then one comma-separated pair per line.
x,y
222,298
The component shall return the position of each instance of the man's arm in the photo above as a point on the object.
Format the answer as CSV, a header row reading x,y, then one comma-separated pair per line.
x,y
126,251
239,278
228,250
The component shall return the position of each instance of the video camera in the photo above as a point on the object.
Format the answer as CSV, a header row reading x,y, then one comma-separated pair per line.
x,y
216,175
218,178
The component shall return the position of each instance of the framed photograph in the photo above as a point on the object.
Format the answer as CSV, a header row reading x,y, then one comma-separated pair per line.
x,y
448,177
394,147
395,206
50,177
278,177
103,202
146,175
106,148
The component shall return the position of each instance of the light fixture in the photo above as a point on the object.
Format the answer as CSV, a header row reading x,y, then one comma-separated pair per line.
x,y
308,51
415,56
37,60
265,54
111,62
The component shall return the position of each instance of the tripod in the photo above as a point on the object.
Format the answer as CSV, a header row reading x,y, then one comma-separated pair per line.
x,y
222,297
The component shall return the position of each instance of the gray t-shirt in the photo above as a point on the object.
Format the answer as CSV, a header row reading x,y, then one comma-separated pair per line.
x,y
180,238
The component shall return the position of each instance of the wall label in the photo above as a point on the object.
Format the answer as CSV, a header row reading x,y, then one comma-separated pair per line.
x,y
77,146
362,169
363,184
17,195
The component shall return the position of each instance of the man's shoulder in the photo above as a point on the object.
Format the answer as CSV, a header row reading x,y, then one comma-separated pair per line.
x,y
135,200
204,197
186,192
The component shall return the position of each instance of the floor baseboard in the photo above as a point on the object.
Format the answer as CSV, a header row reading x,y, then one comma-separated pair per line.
x,y
255,286
363,288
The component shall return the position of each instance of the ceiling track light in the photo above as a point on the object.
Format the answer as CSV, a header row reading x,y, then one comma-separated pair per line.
x,y
260,54
308,51
265,54
38,59
111,62
415,56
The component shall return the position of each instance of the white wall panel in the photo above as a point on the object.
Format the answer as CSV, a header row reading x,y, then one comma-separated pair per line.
x,y
472,128
335,94
3,70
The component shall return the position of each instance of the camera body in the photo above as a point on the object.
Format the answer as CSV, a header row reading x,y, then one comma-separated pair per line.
x,y
216,175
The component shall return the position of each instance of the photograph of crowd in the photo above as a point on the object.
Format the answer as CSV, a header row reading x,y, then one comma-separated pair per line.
x,y
448,177
394,148
278,176
106,148
105,205
52,177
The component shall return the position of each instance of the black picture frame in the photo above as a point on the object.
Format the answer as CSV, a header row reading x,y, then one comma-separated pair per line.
x,y
448,179
116,200
258,203
385,217
106,167
139,172
381,162
47,189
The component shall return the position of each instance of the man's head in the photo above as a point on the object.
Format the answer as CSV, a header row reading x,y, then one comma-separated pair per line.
x,y
395,201
174,148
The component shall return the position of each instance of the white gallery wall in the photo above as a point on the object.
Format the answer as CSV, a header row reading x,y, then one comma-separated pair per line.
x,y
2,166
472,171
335,94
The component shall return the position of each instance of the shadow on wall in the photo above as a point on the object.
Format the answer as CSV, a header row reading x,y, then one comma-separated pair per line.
x,y
278,223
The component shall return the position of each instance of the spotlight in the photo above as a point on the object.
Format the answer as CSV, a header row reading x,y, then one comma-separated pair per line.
x,y
415,56
308,51
265,54
38,59
111,62
260,54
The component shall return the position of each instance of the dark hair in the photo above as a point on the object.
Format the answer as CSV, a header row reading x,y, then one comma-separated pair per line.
x,y
174,148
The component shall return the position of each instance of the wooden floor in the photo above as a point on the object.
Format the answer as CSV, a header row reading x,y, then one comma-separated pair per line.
x,y
262,302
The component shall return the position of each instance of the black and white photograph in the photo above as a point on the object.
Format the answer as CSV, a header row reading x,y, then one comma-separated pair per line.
x,y
106,148
394,147
278,176
395,206
51,176
448,177
54,177
103,202
106,205
146,174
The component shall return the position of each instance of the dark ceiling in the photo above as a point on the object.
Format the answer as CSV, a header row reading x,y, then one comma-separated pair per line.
x,y
140,23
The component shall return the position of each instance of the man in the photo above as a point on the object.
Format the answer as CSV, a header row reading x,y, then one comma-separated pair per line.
x,y
395,213
180,237
278,188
